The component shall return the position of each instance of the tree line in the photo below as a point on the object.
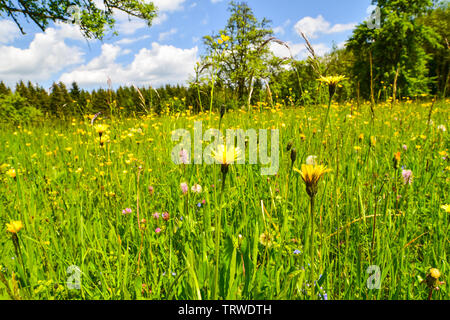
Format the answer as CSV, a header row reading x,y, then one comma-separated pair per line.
x,y
406,56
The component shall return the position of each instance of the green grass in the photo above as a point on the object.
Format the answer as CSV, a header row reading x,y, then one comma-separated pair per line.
x,y
74,217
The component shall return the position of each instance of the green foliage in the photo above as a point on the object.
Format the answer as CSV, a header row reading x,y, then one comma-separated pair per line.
x,y
396,48
245,56
16,109
93,21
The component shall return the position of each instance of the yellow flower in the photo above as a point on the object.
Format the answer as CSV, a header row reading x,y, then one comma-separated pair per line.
x,y
446,207
311,175
435,273
331,80
11,172
224,156
101,128
14,226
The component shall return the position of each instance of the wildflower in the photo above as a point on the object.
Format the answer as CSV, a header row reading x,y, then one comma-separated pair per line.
x,y
127,210
155,215
332,82
407,176
289,145
14,226
396,159
311,175
196,188
151,190
165,216
361,137
184,187
265,239
296,251
100,129
446,208
405,147
226,157
442,128
293,155
11,173
373,141
311,160
158,230
432,281
184,156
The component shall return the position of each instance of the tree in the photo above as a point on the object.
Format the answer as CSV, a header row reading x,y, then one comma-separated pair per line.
x,y
244,51
4,90
91,19
439,65
394,53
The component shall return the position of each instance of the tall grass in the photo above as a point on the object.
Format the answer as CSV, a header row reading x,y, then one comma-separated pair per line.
x,y
70,192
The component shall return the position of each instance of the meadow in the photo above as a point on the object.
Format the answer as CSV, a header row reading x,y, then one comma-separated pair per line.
x,y
113,211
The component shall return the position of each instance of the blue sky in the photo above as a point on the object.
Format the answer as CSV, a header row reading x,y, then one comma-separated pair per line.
x,y
168,51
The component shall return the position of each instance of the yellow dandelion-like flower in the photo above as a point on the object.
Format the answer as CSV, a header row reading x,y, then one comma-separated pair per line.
x,y
101,128
14,226
11,173
446,208
332,80
435,273
311,175
226,156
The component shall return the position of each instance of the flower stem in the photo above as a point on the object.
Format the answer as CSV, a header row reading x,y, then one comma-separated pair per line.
x,y
218,232
311,248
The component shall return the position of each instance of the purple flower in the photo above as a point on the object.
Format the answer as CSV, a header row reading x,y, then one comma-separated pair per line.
x,y
156,215
405,147
165,216
184,187
158,230
296,251
407,176
184,156
125,211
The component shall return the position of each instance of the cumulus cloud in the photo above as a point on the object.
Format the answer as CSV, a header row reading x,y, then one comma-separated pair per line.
x,y
155,66
47,54
8,31
312,27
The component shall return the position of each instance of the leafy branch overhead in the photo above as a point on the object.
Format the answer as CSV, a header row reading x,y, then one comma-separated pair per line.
x,y
91,18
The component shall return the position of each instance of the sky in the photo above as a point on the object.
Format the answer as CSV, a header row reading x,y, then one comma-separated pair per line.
x,y
167,52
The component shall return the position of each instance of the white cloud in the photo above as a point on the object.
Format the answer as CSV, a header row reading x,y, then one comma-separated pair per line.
x,y
156,66
164,35
216,1
168,5
126,41
312,27
9,31
46,55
